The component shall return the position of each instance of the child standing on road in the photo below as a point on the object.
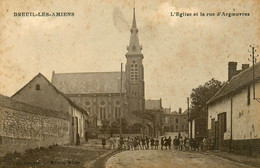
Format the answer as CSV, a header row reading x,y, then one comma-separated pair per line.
x,y
169,142
103,142
147,142
156,143
152,143
162,143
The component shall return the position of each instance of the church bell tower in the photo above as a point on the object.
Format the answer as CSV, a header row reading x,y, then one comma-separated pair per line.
x,y
134,72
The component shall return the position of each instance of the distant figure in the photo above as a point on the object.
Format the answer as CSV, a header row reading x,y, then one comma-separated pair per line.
x,y
156,143
205,144
117,142
165,142
86,136
103,142
162,143
143,143
121,141
126,143
181,143
77,139
138,141
187,144
169,142
131,144
110,141
147,142
152,143
192,145
175,142
135,143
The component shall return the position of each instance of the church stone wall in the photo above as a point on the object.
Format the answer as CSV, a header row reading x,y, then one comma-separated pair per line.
x,y
22,129
93,103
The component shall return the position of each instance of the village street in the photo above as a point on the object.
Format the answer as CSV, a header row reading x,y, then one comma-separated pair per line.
x,y
169,159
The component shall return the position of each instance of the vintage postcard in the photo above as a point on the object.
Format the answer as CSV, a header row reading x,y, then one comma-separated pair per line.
x,y
130,83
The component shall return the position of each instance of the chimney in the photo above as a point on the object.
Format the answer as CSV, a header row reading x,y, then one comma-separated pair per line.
x,y
245,66
53,73
180,110
232,69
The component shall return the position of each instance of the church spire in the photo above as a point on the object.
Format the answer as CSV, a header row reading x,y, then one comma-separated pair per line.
x,y
134,46
134,21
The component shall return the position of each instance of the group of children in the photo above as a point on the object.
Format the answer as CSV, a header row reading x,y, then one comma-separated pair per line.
x,y
145,143
136,143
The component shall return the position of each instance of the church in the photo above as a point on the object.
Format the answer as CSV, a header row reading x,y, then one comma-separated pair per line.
x,y
109,95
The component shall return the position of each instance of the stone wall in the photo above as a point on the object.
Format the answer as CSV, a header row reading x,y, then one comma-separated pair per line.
x,y
23,126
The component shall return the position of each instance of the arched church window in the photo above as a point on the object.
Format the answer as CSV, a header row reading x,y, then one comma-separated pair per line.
x,y
102,113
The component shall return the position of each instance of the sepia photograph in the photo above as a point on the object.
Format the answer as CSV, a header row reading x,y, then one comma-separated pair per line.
x,y
129,83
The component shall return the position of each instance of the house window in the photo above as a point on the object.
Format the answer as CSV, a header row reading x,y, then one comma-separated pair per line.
x,y
176,120
177,127
38,87
248,95
166,120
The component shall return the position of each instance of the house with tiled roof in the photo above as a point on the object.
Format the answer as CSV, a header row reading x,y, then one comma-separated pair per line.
x,y
42,93
175,122
233,112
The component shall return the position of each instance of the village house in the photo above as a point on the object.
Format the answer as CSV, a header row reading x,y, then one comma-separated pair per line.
x,y
175,122
233,112
41,93
154,107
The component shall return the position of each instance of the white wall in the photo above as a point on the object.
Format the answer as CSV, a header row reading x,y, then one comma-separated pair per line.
x,y
80,116
193,129
189,129
246,123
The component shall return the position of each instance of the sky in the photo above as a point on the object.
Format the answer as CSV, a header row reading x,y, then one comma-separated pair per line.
x,y
180,53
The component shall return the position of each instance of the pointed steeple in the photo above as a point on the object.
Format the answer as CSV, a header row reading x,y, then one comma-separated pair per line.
x,y
134,21
134,46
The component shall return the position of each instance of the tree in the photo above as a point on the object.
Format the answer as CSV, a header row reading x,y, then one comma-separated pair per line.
x,y
136,128
204,93
105,126
115,126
